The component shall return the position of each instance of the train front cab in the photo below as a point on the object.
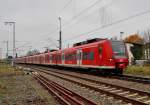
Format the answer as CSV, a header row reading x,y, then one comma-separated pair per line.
x,y
119,56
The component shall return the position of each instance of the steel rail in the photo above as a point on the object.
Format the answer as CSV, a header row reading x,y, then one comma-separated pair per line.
x,y
130,78
126,99
66,96
100,82
133,78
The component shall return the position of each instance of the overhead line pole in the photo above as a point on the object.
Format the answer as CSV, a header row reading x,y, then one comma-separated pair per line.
x,y
60,36
14,50
1,53
7,49
121,35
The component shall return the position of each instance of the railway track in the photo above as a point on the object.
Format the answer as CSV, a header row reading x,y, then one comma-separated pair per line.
x,y
133,78
65,96
127,95
121,77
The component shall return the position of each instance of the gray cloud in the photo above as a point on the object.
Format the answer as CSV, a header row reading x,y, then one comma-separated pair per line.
x,y
37,20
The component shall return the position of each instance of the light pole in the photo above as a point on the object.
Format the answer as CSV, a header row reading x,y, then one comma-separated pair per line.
x,y
6,48
60,40
121,35
0,53
14,50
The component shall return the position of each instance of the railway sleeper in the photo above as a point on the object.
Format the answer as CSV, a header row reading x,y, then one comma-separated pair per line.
x,y
109,93
131,95
116,91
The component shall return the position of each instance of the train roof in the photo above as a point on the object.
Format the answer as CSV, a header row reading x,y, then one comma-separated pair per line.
x,y
85,45
88,41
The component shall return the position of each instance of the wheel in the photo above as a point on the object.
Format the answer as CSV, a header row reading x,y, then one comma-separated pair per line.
x,y
106,72
118,71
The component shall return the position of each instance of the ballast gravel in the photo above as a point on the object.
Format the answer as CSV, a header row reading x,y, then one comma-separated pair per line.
x,y
100,99
129,84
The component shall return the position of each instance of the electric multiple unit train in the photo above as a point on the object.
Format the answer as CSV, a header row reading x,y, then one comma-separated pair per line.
x,y
107,56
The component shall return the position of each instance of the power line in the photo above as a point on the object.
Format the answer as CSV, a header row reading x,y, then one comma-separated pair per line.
x,y
27,43
65,6
113,23
74,17
53,43
81,12
104,26
103,10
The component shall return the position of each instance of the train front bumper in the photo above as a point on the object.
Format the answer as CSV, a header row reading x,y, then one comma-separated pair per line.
x,y
121,63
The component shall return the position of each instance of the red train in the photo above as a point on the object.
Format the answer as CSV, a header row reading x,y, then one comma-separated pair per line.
x,y
104,55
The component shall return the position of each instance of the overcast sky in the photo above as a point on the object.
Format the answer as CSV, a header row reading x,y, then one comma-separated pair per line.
x,y
37,21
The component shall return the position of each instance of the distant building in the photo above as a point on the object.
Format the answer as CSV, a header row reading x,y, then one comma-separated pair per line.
x,y
146,51
135,52
130,54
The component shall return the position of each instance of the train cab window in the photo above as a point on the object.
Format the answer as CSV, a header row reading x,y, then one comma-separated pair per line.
x,y
118,48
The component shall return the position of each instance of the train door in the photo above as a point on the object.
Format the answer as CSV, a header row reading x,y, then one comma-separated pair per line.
x,y
50,59
40,60
63,58
79,57
100,52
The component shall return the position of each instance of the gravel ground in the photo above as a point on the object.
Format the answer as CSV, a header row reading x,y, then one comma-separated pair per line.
x,y
100,99
23,90
134,85
136,75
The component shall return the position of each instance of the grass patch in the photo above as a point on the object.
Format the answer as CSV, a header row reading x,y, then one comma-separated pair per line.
x,y
139,70
23,90
18,89
6,69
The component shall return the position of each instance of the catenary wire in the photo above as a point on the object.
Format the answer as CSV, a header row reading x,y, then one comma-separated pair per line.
x,y
107,25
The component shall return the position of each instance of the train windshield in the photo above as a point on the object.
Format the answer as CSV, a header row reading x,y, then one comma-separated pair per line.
x,y
118,48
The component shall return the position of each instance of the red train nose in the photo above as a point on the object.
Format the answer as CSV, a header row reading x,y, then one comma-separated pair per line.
x,y
121,65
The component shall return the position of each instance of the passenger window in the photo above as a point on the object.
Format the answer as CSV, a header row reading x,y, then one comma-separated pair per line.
x,y
63,57
91,55
84,56
78,56
88,55
50,58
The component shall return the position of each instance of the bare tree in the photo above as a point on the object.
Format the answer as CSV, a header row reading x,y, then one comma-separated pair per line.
x,y
146,37
33,52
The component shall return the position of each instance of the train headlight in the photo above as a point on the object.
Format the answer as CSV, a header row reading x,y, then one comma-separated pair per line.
x,y
121,65
111,60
